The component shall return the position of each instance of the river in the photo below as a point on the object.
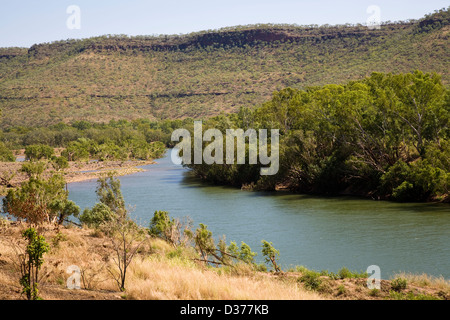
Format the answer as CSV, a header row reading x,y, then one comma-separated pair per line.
x,y
321,233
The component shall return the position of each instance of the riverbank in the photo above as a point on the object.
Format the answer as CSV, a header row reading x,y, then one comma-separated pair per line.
x,y
161,271
11,177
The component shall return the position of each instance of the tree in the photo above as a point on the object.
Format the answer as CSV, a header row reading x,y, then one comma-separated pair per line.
x,y
418,95
40,200
110,203
6,154
111,216
38,151
109,193
126,238
271,255
60,163
222,254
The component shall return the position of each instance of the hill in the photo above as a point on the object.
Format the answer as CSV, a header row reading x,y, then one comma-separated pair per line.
x,y
205,73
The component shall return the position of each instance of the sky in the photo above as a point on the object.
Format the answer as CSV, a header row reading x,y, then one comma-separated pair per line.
x,y
24,23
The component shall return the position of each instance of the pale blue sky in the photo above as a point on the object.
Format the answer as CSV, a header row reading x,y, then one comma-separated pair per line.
x,y
24,23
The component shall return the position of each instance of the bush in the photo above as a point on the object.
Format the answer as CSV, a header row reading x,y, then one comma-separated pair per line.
x,y
271,255
161,224
31,262
38,151
374,292
346,273
94,217
399,284
60,163
415,182
311,280
6,154
38,200
341,290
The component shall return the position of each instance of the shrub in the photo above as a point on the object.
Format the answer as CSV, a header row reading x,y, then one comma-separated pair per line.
x,y
161,224
311,280
94,217
271,255
38,151
6,154
31,262
399,284
374,292
341,290
346,273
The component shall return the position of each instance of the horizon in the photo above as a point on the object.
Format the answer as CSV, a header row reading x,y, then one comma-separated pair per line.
x,y
51,21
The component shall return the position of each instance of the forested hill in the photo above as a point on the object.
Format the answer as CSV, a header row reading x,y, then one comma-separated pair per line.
x,y
205,73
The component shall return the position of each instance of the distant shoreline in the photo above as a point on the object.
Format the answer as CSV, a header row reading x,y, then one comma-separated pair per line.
x,y
11,177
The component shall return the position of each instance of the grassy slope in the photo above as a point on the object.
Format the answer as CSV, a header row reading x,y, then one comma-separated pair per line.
x,y
206,73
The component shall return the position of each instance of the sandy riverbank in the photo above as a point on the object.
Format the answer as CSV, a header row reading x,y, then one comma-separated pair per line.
x,y
11,177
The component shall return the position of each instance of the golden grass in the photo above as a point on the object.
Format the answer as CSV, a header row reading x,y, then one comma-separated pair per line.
x,y
424,280
160,278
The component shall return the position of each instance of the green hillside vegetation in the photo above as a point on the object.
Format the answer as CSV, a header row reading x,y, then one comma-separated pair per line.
x,y
203,74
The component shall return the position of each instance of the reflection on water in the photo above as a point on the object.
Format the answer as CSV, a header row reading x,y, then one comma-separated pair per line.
x,y
317,232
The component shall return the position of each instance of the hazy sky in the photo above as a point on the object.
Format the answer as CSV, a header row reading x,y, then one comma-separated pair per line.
x,y
24,23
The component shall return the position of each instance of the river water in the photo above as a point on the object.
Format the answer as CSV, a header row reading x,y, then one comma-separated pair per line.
x,y
321,233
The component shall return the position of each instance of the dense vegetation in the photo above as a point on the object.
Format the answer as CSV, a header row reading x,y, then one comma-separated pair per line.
x,y
205,73
386,136
116,140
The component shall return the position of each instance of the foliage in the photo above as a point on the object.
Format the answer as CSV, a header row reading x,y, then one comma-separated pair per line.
x,y
31,262
76,80
221,254
271,255
244,252
6,154
38,152
161,225
111,202
40,200
399,284
60,163
395,295
110,214
345,273
126,238
94,217
311,280
386,136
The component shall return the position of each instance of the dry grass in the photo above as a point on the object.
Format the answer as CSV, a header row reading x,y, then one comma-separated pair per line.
x,y
159,278
424,280
154,274
161,271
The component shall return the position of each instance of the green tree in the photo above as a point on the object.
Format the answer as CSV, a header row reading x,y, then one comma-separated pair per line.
x,y
40,200
30,263
111,202
38,151
161,225
6,154
271,255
